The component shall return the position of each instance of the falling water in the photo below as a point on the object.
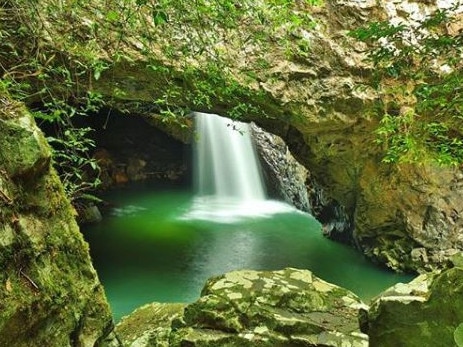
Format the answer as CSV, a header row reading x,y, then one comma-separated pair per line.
x,y
227,174
226,162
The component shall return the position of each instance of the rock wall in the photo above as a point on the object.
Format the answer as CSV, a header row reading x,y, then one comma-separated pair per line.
x,y
50,294
405,216
320,103
285,178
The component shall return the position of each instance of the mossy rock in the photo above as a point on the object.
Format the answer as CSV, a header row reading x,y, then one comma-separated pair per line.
x,y
50,294
24,149
248,308
427,311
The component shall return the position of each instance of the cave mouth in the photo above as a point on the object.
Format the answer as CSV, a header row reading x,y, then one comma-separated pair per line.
x,y
130,149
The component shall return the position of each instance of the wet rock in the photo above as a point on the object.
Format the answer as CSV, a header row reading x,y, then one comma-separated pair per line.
x,y
136,169
88,214
286,178
290,307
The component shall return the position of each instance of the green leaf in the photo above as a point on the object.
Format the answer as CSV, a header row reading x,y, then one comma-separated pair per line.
x,y
159,17
96,74
112,16
458,335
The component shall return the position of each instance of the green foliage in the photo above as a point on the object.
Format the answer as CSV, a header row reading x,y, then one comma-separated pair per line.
x,y
50,83
72,145
71,150
418,73
458,335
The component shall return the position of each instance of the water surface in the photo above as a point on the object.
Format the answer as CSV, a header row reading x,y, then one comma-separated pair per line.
x,y
150,249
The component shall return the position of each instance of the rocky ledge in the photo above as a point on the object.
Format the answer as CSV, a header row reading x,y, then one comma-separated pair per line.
x,y
293,307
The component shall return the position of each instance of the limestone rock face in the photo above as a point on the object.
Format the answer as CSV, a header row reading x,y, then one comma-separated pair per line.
x,y
405,216
49,292
286,178
290,307
427,311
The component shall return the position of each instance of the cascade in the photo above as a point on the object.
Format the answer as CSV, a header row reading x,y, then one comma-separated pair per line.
x,y
228,180
226,162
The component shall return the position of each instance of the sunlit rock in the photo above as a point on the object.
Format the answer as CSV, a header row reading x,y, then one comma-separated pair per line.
x,y
290,307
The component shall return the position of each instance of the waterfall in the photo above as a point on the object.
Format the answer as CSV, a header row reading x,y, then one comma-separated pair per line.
x,y
226,162
227,174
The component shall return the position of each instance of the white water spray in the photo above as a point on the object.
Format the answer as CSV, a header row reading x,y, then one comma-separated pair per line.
x,y
226,162
227,173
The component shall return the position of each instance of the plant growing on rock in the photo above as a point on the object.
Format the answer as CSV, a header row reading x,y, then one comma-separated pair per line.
x,y
418,73
54,56
48,81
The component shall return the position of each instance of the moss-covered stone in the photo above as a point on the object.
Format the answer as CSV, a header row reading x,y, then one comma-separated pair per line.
x,y
290,307
22,138
49,292
149,325
427,311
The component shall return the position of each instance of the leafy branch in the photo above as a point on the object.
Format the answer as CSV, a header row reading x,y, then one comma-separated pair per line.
x,y
418,72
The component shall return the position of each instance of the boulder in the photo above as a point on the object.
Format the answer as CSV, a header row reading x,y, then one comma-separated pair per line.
x,y
290,307
24,149
149,325
424,312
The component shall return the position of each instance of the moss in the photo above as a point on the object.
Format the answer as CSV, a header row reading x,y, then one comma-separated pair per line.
x,y
24,150
411,322
49,292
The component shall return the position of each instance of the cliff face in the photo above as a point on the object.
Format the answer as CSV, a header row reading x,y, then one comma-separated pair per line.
x,y
49,292
405,216
309,79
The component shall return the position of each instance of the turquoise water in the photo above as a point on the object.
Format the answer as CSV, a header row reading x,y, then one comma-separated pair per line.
x,y
149,249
